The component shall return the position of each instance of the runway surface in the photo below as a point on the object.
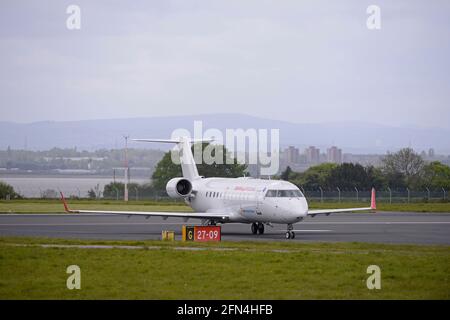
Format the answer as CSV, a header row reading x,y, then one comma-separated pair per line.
x,y
382,227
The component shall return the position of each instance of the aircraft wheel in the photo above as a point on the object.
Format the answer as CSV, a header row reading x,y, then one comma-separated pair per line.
x,y
288,235
260,228
292,234
254,228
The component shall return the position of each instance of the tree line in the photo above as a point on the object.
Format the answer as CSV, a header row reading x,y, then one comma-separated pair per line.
x,y
399,170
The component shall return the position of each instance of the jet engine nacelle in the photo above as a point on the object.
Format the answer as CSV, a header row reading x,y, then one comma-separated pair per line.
x,y
179,188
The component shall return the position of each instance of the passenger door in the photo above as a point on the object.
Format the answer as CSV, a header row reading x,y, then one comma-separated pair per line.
x,y
259,197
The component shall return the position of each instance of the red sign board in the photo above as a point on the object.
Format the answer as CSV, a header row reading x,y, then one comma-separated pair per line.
x,y
206,233
202,233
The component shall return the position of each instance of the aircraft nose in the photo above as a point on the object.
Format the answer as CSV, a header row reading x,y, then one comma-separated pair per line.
x,y
298,212
297,208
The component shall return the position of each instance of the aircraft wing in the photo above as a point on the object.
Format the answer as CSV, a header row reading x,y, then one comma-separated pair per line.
x,y
187,215
373,206
329,211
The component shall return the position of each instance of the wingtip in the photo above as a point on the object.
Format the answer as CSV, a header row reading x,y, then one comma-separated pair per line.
x,y
373,202
66,207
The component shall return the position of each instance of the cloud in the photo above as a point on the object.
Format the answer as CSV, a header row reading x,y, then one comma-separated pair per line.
x,y
309,61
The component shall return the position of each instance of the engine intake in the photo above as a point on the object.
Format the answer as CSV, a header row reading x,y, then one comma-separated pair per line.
x,y
179,188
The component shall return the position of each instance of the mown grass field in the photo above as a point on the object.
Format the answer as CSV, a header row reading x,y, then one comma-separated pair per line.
x,y
55,206
238,270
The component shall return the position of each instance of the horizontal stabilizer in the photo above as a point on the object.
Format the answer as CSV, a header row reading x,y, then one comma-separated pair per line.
x,y
188,166
173,140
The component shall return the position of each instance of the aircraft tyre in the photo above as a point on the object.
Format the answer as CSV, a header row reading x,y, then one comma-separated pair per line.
x,y
260,228
254,228
290,235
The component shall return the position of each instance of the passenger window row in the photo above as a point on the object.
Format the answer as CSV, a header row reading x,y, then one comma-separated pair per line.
x,y
284,194
214,194
229,195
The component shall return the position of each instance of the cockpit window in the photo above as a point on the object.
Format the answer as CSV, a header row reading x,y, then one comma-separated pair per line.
x,y
271,193
284,193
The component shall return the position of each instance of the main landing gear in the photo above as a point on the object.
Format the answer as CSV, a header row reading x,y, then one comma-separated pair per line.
x,y
290,234
257,228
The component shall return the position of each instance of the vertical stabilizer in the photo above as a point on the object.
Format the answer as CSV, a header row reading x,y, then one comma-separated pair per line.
x,y
187,161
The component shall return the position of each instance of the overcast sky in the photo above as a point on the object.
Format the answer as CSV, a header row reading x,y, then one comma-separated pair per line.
x,y
301,61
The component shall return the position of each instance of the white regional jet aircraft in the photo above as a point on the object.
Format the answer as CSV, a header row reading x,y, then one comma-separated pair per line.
x,y
227,200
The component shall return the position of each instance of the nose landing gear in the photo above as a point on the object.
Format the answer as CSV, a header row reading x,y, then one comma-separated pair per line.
x,y
290,234
257,228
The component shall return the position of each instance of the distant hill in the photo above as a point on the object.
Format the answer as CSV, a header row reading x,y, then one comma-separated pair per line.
x,y
107,133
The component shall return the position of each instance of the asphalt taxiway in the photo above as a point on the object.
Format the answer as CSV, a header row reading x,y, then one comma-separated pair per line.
x,y
380,227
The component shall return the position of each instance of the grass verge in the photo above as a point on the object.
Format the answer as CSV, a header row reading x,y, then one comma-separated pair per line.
x,y
237,270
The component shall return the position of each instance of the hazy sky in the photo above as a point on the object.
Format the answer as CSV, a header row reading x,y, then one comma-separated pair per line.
x,y
302,61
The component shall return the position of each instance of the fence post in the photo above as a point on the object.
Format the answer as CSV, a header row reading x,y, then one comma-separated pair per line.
x,y
303,190
117,193
339,191
390,195
357,195
97,191
407,189
321,194
428,192
443,190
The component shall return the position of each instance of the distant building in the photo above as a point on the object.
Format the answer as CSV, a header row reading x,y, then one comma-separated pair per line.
x,y
334,154
431,153
292,155
312,154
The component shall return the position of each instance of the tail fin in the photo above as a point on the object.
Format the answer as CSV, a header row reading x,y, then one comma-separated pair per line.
x,y
188,165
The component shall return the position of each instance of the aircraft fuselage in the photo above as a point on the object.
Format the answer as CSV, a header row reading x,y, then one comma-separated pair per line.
x,y
248,200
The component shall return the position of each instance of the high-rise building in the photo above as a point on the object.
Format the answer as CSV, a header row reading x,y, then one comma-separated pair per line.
x,y
312,154
334,154
431,153
292,155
